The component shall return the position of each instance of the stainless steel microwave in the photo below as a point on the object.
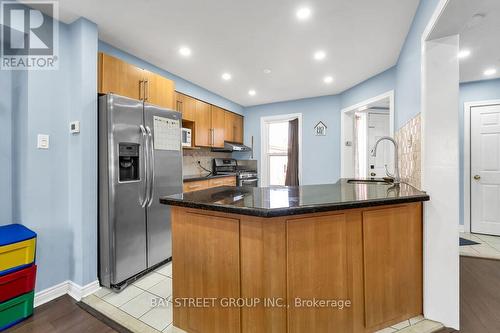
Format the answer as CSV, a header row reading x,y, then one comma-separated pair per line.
x,y
186,137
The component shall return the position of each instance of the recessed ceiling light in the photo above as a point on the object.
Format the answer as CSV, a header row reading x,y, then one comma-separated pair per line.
x,y
490,72
319,55
328,79
303,13
463,54
267,71
226,76
185,51
252,92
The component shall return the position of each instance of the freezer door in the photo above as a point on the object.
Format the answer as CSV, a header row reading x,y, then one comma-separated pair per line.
x,y
165,128
122,221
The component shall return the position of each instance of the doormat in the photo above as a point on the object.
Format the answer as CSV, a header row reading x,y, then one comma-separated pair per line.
x,y
464,242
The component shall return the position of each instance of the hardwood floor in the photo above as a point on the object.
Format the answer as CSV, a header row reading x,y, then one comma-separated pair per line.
x,y
61,315
479,295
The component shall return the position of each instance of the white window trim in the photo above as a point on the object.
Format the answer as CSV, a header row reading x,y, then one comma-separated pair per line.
x,y
467,159
264,163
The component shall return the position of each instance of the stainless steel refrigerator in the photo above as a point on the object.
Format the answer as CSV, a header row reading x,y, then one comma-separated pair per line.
x,y
140,159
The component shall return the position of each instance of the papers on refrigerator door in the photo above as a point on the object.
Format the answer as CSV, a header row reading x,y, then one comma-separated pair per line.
x,y
167,133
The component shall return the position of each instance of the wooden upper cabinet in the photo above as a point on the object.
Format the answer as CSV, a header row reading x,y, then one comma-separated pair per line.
x,y
118,77
218,122
186,105
203,122
238,128
233,127
158,90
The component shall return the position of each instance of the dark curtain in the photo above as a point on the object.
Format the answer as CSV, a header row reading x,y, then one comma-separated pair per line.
x,y
292,171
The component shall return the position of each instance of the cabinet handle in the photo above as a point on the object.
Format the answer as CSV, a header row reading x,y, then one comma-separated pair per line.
x,y
146,90
477,177
140,89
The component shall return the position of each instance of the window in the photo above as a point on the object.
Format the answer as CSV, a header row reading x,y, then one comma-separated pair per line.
x,y
275,149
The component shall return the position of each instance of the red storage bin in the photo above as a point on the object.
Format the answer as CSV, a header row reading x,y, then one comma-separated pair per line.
x,y
17,283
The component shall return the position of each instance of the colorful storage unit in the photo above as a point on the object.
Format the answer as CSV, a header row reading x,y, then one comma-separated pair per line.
x,y
17,274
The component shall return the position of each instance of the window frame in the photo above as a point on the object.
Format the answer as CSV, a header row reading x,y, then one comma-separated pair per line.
x,y
265,154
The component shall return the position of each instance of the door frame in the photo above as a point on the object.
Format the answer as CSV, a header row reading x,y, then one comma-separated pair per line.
x,y
467,159
264,139
344,121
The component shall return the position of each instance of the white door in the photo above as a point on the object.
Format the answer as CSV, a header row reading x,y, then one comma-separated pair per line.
x,y
485,170
378,126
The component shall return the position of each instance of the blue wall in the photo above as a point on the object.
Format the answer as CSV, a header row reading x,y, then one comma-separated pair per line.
x,y
5,147
181,85
52,189
370,88
321,154
408,80
473,92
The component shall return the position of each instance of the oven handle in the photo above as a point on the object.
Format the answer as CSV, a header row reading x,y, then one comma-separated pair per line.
x,y
249,180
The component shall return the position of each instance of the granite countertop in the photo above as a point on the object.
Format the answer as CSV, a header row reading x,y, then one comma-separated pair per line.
x,y
294,200
196,178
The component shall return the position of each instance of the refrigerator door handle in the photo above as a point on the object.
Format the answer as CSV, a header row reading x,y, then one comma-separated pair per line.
x,y
151,166
145,157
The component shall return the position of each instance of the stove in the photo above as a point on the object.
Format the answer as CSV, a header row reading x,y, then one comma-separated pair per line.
x,y
245,176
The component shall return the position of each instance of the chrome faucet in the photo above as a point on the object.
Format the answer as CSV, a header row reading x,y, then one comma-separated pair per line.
x,y
396,177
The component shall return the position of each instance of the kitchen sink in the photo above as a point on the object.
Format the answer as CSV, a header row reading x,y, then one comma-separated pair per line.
x,y
370,181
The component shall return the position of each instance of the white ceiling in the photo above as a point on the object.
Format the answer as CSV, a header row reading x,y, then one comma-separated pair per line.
x,y
361,37
480,36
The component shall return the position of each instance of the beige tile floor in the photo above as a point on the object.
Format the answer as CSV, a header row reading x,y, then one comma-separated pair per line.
x,y
488,247
134,307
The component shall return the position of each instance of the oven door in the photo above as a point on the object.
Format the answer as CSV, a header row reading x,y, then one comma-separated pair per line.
x,y
252,182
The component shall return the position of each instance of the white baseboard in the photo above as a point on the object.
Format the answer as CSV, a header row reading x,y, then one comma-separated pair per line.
x,y
461,228
67,287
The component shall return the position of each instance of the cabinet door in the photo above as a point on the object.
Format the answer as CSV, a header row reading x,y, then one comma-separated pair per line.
x,y
238,128
195,186
325,263
206,265
218,126
159,90
186,105
392,249
118,77
229,126
202,124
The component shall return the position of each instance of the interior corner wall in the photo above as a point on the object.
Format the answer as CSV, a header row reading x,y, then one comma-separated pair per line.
x,y
408,69
181,85
82,152
53,188
6,147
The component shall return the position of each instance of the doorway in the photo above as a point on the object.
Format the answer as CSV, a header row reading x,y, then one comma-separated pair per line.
x,y
482,167
361,126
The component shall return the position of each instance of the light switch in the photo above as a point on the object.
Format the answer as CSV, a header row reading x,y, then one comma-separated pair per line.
x,y
74,127
43,141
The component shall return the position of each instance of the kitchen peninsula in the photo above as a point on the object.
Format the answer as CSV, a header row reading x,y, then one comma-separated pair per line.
x,y
344,257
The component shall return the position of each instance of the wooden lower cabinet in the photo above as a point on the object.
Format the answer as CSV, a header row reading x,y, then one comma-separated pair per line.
x,y
209,183
368,261
208,264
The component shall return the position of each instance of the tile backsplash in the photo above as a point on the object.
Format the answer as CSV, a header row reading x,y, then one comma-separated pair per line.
x,y
408,138
190,165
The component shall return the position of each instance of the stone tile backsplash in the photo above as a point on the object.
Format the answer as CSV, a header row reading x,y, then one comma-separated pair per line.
x,y
190,160
408,138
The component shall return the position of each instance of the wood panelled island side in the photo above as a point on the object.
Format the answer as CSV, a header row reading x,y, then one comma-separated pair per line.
x,y
320,258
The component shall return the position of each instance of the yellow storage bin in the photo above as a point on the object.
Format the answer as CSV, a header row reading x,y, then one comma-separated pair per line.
x,y
17,248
